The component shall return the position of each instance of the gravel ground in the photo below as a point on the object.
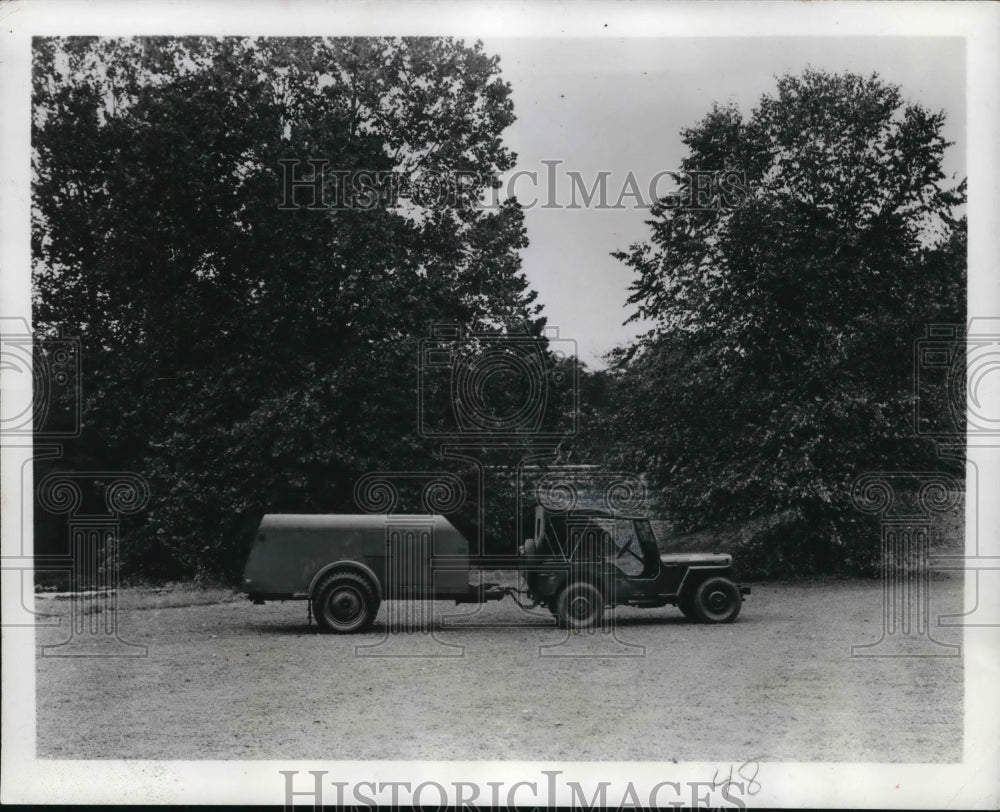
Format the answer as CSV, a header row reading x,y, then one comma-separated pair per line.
x,y
237,681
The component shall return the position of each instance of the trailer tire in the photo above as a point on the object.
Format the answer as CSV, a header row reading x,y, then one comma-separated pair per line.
x,y
345,602
580,606
717,600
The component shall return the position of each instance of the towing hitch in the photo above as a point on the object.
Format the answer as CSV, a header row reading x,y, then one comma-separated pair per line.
x,y
493,592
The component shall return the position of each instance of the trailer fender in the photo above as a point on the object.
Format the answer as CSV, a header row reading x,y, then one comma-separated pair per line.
x,y
348,564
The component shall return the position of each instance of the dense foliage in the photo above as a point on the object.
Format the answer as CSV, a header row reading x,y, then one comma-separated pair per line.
x,y
241,356
781,363
245,355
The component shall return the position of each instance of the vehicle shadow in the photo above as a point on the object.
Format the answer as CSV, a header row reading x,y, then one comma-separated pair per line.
x,y
380,628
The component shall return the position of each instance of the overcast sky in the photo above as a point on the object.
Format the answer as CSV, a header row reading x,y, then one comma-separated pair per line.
x,y
619,105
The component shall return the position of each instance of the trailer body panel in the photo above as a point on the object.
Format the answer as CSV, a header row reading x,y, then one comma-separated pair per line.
x,y
400,554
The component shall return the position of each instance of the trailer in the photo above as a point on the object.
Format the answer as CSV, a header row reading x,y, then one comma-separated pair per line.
x,y
577,564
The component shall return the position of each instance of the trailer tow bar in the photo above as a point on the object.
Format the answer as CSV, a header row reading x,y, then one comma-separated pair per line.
x,y
513,592
494,592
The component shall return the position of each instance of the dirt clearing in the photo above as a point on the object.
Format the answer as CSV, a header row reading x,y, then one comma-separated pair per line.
x,y
237,681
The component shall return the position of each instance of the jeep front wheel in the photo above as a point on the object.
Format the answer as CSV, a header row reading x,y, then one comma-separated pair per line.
x,y
580,606
717,600
345,602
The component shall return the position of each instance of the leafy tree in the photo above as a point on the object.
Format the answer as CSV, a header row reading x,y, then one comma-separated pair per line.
x,y
780,364
243,356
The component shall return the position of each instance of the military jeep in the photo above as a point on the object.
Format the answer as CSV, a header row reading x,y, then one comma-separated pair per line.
x,y
581,562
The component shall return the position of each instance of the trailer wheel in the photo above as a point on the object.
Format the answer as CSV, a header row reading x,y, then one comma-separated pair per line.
x,y
717,600
580,606
345,602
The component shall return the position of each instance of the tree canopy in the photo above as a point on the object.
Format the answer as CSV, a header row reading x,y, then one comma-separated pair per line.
x,y
247,352
242,355
780,364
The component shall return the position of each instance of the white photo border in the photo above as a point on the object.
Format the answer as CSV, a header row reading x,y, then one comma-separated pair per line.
x,y
974,783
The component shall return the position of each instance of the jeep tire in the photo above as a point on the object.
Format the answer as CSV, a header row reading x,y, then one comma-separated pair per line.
x,y
345,602
716,600
580,606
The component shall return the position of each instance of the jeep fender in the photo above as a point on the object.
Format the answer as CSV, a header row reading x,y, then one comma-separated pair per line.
x,y
694,574
601,581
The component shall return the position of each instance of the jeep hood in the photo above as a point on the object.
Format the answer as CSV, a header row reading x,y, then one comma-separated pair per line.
x,y
715,559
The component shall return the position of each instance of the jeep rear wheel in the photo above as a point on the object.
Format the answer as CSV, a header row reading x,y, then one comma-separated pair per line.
x,y
580,606
717,600
345,602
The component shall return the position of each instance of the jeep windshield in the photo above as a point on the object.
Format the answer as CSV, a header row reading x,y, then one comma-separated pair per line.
x,y
646,537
